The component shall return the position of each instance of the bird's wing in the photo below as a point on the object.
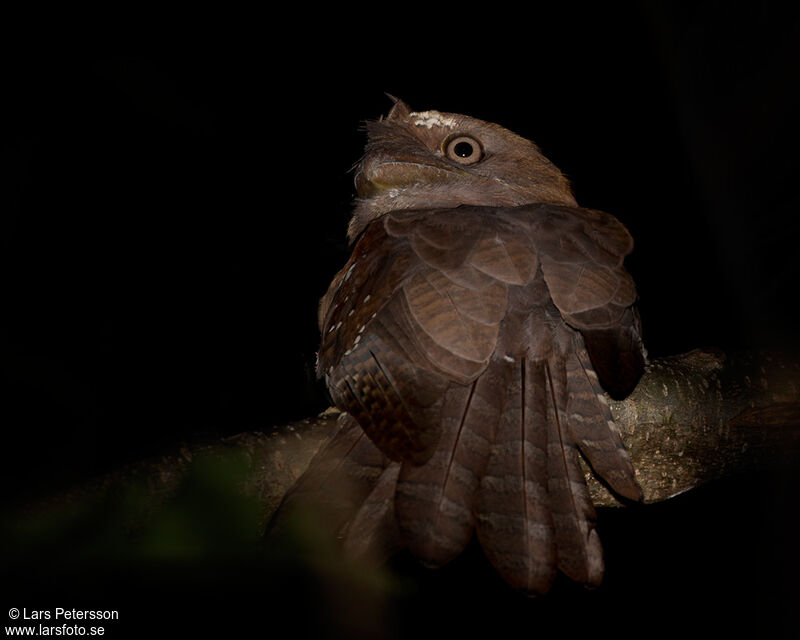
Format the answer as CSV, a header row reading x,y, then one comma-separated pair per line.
x,y
418,307
581,253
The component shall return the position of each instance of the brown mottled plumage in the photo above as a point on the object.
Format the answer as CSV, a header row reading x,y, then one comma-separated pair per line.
x,y
466,340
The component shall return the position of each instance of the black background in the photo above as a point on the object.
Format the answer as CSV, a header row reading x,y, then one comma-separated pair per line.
x,y
173,217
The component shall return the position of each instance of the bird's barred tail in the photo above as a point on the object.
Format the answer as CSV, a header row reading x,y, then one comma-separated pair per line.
x,y
507,466
514,523
534,514
434,501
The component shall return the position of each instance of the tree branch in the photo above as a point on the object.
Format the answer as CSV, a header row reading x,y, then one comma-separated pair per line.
x,y
705,415
692,419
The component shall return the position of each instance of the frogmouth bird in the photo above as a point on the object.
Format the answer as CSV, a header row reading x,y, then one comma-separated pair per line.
x,y
468,341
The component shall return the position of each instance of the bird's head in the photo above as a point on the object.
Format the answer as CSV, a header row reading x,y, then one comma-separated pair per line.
x,y
428,159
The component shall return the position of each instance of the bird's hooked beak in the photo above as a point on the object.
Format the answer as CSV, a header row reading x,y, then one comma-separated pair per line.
x,y
396,173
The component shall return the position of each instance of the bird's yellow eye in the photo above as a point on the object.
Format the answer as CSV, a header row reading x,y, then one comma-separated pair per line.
x,y
463,149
